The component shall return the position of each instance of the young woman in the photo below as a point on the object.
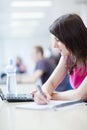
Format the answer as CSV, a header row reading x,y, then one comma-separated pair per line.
x,y
70,35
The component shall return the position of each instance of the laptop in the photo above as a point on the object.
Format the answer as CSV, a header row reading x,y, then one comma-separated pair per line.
x,y
16,98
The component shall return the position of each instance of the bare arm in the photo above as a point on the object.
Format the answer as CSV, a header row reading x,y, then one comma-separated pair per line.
x,y
55,79
57,76
79,93
33,78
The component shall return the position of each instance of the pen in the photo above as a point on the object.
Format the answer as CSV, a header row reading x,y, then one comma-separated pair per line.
x,y
68,103
41,91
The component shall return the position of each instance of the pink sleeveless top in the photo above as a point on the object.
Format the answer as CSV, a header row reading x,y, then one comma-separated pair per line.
x,y
77,77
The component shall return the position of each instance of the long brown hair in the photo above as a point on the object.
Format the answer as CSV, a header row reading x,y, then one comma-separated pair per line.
x,y
72,32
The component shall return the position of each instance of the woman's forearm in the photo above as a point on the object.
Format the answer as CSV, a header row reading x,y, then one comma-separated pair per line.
x,y
67,95
79,93
57,77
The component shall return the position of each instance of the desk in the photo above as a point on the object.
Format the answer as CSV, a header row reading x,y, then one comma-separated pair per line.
x,y
71,118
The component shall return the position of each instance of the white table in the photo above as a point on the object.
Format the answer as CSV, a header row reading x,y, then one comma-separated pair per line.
x,y
69,118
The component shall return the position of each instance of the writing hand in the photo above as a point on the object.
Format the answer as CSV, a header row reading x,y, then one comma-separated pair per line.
x,y
41,99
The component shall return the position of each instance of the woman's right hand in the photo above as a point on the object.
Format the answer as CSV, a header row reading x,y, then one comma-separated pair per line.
x,y
41,99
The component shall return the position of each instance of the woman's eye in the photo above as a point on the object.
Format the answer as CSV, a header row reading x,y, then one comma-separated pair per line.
x,y
57,40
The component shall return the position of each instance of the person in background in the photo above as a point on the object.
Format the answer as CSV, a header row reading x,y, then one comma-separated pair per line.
x,y
70,35
21,68
43,67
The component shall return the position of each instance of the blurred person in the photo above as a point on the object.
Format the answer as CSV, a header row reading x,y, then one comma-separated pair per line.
x,y
43,67
21,68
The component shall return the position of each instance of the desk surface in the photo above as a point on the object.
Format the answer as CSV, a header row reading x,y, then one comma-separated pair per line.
x,y
69,118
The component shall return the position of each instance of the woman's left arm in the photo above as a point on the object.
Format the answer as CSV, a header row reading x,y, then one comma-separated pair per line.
x,y
75,94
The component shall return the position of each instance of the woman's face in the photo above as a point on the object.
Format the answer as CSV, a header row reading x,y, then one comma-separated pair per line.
x,y
56,43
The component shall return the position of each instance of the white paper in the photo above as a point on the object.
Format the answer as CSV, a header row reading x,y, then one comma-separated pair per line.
x,y
34,106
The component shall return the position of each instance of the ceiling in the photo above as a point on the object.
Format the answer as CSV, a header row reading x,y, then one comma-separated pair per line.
x,y
30,19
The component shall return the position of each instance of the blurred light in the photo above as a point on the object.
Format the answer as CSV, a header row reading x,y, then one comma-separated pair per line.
x,y
21,23
22,28
27,15
17,32
31,3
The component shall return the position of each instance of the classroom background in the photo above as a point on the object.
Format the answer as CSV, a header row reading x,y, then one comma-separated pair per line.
x,y
25,23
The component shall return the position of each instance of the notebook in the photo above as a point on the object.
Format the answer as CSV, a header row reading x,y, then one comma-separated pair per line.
x,y
53,105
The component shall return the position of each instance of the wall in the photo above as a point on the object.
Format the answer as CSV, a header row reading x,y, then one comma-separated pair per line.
x,y
21,46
